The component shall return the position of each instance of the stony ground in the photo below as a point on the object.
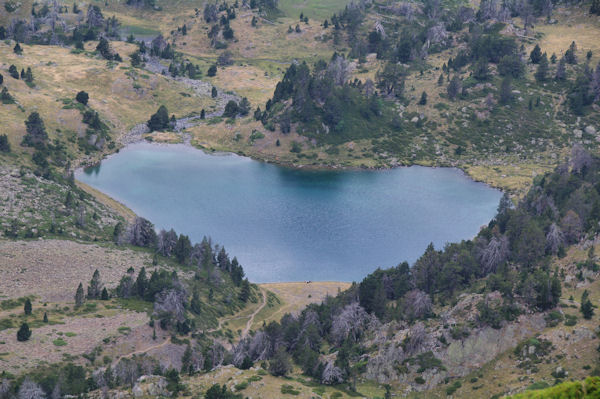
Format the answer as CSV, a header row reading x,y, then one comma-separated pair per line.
x,y
52,269
35,203
71,336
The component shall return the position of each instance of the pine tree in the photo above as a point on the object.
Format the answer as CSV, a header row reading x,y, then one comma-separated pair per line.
x,y
595,7
553,58
213,92
212,71
17,49
542,70
480,69
104,296
454,87
586,307
79,296
27,307
506,90
4,143
103,48
159,120
561,71
141,283
423,99
570,54
440,79
36,130
24,333
28,75
186,360
95,288
202,114
1,79
117,231
5,97
536,54
45,317
183,249
12,70
245,291
82,97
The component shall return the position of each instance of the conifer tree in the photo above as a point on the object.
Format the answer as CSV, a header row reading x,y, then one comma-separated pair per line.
x,y
27,307
82,97
12,70
24,333
536,54
542,70
95,288
245,291
570,54
79,296
36,130
561,71
586,307
4,143
28,75
159,120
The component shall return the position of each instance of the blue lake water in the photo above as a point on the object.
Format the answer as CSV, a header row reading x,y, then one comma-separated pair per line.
x,y
296,225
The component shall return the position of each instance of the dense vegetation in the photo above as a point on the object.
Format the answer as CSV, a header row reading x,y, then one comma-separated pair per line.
x,y
492,97
587,389
511,256
489,71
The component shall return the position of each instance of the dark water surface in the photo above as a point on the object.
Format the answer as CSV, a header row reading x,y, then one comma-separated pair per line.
x,y
295,225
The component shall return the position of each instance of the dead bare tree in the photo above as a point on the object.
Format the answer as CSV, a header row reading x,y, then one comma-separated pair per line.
x,y
351,323
416,304
554,239
30,390
332,374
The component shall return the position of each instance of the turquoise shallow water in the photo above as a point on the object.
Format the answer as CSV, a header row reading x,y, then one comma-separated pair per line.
x,y
295,225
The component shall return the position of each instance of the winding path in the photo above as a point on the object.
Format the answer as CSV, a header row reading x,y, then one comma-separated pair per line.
x,y
251,319
142,351
200,87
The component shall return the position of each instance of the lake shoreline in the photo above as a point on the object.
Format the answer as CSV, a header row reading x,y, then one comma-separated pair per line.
x,y
265,158
393,209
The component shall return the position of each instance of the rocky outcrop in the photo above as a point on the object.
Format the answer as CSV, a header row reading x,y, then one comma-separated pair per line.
x,y
483,345
150,385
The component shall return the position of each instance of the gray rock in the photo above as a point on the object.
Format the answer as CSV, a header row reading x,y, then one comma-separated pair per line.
x,y
590,129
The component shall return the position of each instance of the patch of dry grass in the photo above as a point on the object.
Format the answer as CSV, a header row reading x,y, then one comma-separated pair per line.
x,y
297,295
52,269
122,95
573,25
